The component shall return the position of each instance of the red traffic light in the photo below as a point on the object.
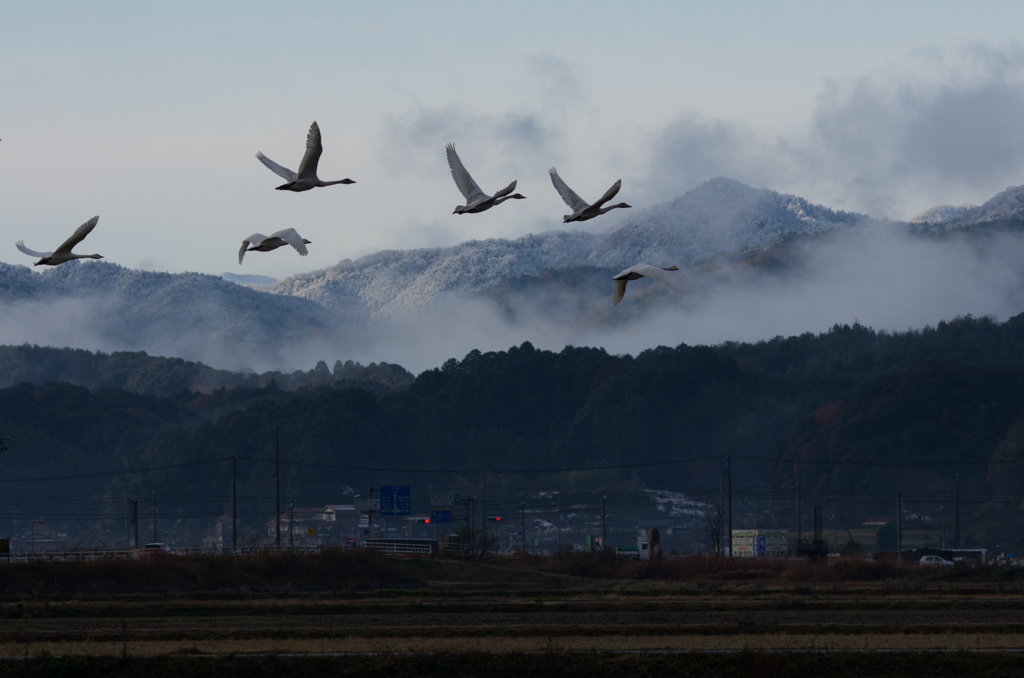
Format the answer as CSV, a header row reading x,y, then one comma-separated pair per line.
x,y
495,518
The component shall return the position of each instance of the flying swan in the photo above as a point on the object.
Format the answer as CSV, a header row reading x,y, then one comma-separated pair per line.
x,y
63,253
476,200
306,178
261,243
640,271
581,211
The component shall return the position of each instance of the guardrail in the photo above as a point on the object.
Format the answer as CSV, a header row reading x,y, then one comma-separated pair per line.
x,y
65,556
392,548
399,549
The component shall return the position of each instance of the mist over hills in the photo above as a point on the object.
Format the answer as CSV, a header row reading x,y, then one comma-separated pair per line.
x,y
755,263
720,215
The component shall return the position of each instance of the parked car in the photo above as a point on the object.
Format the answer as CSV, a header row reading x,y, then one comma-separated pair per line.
x,y
154,549
935,561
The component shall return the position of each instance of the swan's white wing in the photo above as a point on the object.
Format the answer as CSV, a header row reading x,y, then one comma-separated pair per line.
x,y
32,253
632,269
505,191
470,191
574,202
659,274
252,239
77,237
292,237
307,168
282,172
609,194
618,290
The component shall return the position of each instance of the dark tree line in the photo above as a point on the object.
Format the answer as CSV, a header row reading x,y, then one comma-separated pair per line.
x,y
949,394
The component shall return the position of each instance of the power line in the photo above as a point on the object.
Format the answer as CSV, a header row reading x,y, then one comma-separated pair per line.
x,y
113,473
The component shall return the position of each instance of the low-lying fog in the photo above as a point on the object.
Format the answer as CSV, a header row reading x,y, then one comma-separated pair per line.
x,y
879,276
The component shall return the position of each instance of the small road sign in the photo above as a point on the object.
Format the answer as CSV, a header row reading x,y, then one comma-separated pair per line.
x,y
440,516
364,505
310,531
442,500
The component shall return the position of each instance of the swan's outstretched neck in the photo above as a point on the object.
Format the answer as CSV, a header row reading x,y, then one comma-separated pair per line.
x,y
609,209
515,196
341,181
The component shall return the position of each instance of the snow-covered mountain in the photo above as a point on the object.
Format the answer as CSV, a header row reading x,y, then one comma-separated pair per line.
x,y
167,313
1005,206
249,279
718,216
391,282
560,278
941,214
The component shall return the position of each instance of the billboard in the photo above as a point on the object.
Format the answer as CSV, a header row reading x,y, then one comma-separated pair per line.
x,y
760,543
395,500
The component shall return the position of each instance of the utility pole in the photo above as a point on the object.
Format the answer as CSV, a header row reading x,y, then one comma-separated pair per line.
x,y
234,504
154,516
291,523
135,520
604,524
899,527
277,475
720,519
522,509
728,461
956,524
483,513
127,521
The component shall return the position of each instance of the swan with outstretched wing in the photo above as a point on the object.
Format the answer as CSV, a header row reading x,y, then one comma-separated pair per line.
x,y
476,199
257,242
642,271
581,211
63,253
306,177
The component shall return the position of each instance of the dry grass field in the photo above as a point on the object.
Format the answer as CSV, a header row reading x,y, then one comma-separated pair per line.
x,y
337,612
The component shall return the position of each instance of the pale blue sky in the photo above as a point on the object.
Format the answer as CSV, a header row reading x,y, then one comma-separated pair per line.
x,y
150,115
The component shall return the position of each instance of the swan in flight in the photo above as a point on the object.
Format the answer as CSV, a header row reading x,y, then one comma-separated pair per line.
x,y
63,253
581,211
306,177
261,243
476,200
640,271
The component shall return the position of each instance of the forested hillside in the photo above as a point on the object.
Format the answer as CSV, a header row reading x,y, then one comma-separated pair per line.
x,y
835,410
152,375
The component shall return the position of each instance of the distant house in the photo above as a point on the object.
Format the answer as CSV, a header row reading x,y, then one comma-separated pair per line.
x,y
331,523
220,534
38,536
